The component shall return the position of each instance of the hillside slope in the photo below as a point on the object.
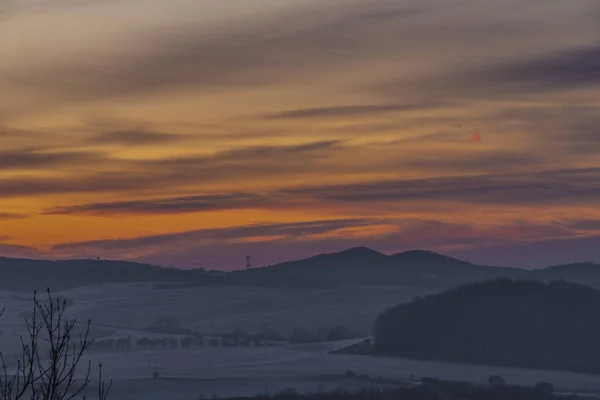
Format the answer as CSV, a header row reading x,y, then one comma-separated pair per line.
x,y
500,322
364,266
25,274
585,273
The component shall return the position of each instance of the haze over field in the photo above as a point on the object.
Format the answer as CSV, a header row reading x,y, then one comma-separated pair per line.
x,y
128,312
193,133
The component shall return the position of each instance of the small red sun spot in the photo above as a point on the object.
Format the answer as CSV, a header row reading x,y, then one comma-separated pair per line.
x,y
476,137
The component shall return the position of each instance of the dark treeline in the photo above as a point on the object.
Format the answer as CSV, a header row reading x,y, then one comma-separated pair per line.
x,y
185,338
500,322
423,392
171,325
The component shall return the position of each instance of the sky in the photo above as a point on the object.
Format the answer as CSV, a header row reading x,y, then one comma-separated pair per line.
x,y
191,133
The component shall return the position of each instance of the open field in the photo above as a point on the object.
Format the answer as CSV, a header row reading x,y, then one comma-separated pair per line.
x,y
186,374
229,372
223,308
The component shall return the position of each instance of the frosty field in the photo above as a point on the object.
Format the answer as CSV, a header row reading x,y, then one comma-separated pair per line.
x,y
229,372
186,374
223,308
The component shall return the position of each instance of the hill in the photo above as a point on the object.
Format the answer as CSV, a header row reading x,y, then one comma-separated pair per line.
x,y
24,274
364,266
359,266
415,268
501,322
585,273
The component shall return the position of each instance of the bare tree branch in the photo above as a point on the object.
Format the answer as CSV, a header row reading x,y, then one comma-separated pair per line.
x,y
47,370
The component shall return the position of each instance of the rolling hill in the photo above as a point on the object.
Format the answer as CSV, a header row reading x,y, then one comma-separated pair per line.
x,y
585,273
25,274
359,266
364,266
416,268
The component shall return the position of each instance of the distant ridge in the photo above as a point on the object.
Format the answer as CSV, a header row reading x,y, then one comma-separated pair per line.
x,y
426,254
586,273
416,268
25,274
365,266
355,266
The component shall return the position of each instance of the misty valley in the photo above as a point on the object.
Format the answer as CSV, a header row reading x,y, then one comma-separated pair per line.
x,y
353,324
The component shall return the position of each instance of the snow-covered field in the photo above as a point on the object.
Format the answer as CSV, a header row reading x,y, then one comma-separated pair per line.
x,y
230,372
187,374
224,308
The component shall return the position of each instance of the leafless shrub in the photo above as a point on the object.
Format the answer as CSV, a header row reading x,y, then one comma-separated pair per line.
x,y
50,356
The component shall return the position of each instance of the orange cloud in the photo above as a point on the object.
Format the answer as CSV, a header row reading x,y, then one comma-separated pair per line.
x,y
302,113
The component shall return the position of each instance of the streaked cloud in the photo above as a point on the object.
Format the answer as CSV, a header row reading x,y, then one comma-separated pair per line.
x,y
136,138
347,111
295,127
559,187
573,67
235,164
179,246
18,251
38,158
280,242
574,186
187,204
7,215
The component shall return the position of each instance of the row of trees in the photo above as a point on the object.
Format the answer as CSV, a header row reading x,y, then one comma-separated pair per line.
x,y
171,325
170,343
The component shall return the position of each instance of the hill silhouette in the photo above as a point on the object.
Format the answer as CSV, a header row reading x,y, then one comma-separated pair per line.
x,y
356,266
585,273
364,266
24,274
415,268
500,322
